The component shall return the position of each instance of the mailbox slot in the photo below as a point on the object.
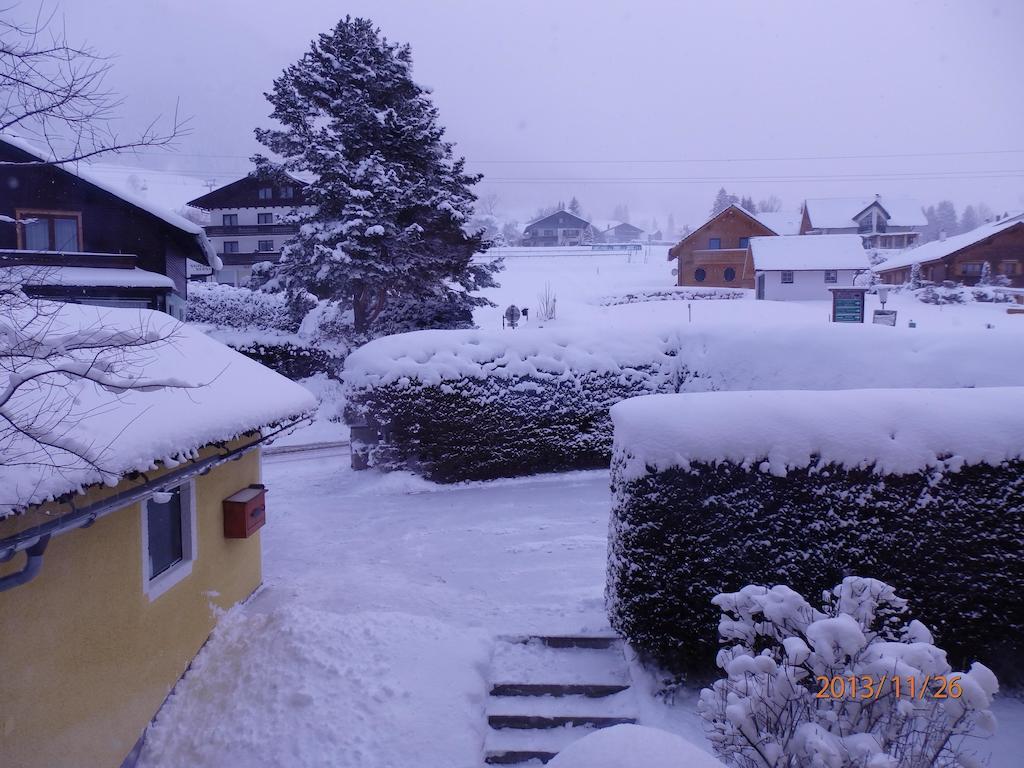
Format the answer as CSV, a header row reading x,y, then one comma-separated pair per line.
x,y
245,512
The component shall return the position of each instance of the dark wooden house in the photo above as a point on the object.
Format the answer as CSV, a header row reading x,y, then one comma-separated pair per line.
x,y
962,258
717,253
558,228
73,238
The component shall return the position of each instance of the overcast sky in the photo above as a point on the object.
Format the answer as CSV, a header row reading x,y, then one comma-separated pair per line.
x,y
659,102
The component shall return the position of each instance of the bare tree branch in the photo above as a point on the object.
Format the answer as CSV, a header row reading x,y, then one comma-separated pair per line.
x,y
55,93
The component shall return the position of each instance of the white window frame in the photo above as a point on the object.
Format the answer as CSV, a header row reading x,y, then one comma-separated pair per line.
x,y
835,276
156,586
783,274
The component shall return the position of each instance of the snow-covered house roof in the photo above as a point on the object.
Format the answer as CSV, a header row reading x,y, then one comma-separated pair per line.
x,y
802,252
581,222
216,395
80,170
89,277
779,222
839,212
939,249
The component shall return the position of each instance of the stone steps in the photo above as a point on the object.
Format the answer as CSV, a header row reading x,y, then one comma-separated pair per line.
x,y
548,691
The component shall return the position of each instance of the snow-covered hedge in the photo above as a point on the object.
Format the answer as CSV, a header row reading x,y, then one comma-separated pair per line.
x,y
227,306
457,405
923,489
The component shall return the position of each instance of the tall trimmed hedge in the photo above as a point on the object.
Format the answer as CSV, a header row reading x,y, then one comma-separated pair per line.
x,y
475,429
951,543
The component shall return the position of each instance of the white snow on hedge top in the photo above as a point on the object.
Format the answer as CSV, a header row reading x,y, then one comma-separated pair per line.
x,y
220,394
895,431
797,252
727,357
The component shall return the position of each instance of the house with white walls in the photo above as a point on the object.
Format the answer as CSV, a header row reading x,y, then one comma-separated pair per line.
x,y
805,267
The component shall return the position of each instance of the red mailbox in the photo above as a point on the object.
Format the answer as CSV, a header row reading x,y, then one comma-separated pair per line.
x,y
245,512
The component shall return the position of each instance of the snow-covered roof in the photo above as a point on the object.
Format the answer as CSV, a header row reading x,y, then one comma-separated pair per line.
x,y
779,222
217,395
800,252
838,212
895,431
80,170
100,277
938,249
556,213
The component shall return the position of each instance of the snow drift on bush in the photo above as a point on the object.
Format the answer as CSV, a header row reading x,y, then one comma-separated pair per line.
x,y
892,431
457,405
226,306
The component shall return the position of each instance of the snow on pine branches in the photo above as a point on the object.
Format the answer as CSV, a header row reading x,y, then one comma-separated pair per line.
x,y
384,235
776,707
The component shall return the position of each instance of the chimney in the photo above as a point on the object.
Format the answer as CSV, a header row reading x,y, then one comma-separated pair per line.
x,y
942,234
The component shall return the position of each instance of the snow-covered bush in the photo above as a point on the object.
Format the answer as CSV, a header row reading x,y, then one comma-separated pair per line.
x,y
713,491
227,306
777,704
459,405
296,361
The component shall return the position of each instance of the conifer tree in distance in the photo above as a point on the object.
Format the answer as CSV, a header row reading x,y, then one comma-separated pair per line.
x,y
386,240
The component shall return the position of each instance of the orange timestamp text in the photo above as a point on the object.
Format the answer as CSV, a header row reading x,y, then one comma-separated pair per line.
x,y
865,687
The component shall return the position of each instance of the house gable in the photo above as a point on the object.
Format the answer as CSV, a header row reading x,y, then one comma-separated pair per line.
x,y
702,231
558,220
245,193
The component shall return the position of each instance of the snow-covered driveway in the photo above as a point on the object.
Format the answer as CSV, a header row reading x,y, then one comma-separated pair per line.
x,y
369,643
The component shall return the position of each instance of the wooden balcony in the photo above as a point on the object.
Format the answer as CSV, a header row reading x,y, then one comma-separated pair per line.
x,y
20,258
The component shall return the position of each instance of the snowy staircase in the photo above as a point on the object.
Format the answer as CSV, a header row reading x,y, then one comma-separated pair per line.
x,y
547,692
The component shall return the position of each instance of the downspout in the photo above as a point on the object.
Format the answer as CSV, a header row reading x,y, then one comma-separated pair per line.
x,y
33,564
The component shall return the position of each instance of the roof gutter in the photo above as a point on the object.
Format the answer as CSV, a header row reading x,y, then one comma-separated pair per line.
x,y
34,540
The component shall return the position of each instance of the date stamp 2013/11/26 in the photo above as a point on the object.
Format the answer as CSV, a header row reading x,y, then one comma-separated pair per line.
x,y
865,687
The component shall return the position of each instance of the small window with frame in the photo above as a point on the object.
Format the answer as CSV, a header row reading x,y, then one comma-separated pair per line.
x,y
50,230
229,220
265,245
287,193
230,246
744,242
714,243
266,193
169,538
264,218
831,276
787,277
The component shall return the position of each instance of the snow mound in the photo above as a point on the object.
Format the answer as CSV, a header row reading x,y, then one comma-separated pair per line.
x,y
834,356
896,431
633,746
301,687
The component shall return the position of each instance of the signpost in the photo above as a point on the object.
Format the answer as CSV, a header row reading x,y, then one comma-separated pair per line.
x,y
848,305
884,317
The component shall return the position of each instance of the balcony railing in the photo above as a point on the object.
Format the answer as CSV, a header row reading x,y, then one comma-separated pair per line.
x,y
251,229
18,258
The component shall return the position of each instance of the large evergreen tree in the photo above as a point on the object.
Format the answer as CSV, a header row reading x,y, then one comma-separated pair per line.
x,y
386,241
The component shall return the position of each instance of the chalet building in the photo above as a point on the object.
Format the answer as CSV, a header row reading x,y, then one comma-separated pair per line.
x,y
717,253
793,268
621,232
560,228
112,579
69,237
962,258
883,223
247,222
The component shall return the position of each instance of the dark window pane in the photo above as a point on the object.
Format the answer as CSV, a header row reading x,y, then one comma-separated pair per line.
x,y
744,242
730,274
37,235
715,243
66,234
165,544
699,275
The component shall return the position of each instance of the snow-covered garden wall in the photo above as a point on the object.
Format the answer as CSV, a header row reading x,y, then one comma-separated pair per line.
x,y
923,489
458,405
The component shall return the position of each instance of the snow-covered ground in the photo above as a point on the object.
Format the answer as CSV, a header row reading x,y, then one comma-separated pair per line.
x,y
369,643
580,282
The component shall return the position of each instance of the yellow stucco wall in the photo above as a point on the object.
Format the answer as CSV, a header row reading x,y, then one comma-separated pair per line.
x,y
86,658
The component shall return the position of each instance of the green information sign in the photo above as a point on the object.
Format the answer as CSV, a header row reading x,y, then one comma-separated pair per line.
x,y
848,305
